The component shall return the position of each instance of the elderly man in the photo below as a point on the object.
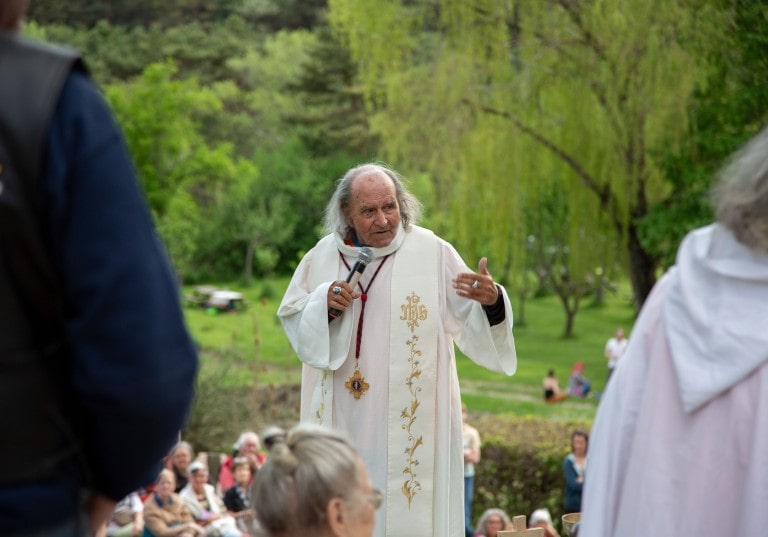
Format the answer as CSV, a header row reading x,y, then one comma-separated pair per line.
x,y
379,358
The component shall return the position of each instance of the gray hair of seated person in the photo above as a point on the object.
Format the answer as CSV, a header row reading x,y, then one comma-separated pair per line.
x,y
292,489
740,196
183,444
243,438
335,211
488,513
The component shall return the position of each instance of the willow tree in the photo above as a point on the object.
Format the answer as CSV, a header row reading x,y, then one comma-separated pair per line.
x,y
492,98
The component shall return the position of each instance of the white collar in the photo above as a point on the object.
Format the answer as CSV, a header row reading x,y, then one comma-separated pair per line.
x,y
352,251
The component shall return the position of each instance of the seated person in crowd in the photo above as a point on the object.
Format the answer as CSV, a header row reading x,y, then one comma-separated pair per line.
x,y
552,393
315,483
206,506
166,514
179,460
578,384
246,446
541,518
491,522
237,498
128,517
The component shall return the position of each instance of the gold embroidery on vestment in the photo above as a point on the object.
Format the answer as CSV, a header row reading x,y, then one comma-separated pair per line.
x,y
413,312
323,390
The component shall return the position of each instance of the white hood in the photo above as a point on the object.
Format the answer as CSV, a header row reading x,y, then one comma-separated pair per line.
x,y
716,310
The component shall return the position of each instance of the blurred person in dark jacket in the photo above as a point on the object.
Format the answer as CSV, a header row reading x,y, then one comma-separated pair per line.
x,y
96,365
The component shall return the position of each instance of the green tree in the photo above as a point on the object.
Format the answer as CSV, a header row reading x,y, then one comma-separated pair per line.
x,y
180,231
493,98
730,108
256,218
86,13
157,114
333,115
551,232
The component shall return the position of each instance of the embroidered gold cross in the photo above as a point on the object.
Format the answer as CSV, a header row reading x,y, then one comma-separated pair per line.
x,y
356,384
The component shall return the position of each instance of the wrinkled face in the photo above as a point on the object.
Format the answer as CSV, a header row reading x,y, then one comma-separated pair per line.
x,y
373,211
361,508
250,446
493,525
198,479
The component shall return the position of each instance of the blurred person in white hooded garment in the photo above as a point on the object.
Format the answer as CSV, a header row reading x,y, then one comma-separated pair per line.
x,y
680,441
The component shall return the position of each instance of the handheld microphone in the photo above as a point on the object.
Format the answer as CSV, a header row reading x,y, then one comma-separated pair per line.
x,y
364,257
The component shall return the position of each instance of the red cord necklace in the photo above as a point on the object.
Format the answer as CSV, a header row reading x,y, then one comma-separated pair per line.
x,y
356,384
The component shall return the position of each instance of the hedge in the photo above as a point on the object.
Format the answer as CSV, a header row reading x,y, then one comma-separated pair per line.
x,y
521,465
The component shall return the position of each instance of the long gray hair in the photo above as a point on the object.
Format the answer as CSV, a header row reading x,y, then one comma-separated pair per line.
x,y
335,219
482,524
302,474
740,196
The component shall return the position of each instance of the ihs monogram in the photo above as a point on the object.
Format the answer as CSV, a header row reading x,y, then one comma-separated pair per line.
x,y
413,311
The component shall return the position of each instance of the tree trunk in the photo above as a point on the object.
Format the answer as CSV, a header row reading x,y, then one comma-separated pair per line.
x,y
520,312
248,269
570,307
642,268
570,318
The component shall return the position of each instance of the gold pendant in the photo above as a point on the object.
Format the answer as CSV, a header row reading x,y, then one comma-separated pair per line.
x,y
356,384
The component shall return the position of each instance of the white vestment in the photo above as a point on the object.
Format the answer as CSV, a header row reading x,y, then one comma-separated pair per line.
x,y
680,441
407,426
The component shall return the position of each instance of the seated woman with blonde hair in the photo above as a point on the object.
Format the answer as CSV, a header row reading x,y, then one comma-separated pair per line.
x,y
166,514
315,484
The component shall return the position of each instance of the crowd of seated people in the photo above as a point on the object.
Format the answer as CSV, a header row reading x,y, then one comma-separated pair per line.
x,y
202,509
187,501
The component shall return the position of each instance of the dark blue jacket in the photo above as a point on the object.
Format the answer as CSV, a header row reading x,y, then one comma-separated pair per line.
x,y
573,487
133,363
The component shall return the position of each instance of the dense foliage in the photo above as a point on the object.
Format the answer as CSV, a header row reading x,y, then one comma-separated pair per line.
x,y
511,95
570,142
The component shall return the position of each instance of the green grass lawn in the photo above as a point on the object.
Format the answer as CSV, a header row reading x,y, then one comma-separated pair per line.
x,y
255,343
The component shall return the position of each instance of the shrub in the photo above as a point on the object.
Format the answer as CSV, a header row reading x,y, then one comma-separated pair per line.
x,y
228,402
521,465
